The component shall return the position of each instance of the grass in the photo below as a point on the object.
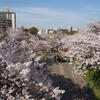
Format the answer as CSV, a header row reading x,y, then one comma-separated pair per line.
x,y
97,93
88,79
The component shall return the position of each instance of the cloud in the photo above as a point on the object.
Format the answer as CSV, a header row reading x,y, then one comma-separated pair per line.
x,y
48,18
37,10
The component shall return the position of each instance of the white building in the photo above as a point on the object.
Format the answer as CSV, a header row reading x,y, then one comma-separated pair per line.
x,y
70,29
7,19
43,32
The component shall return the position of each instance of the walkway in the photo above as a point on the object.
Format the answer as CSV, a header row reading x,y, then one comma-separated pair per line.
x,y
73,84
65,70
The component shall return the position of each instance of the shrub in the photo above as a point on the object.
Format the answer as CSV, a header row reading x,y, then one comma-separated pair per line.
x,y
96,78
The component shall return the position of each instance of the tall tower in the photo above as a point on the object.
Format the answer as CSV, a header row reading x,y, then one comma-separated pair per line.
x,y
7,19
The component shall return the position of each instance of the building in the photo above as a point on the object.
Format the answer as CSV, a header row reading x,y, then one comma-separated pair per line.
x,y
45,31
61,30
50,31
7,19
70,29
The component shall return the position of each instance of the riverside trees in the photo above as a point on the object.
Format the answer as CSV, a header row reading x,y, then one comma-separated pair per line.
x,y
21,75
85,48
85,54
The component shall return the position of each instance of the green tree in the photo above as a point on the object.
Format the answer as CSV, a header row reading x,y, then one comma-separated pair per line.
x,y
33,30
25,30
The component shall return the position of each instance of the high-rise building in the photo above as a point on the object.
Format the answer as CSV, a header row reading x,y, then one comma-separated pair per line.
x,y
7,19
70,29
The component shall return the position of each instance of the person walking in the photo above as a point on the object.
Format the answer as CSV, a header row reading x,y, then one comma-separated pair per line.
x,y
55,59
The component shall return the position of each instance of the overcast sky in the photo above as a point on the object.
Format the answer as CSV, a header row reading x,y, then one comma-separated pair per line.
x,y
54,13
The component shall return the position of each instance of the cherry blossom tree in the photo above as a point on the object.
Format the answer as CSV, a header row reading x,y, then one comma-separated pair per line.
x,y
85,48
22,77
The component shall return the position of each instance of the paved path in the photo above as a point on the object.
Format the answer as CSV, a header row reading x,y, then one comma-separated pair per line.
x,y
66,70
67,80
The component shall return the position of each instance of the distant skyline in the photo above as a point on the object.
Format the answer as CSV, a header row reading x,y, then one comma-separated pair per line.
x,y
53,13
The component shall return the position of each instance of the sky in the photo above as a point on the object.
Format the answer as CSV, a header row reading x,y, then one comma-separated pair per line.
x,y
53,13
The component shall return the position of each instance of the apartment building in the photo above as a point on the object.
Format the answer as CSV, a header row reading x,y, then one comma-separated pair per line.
x,y
7,19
